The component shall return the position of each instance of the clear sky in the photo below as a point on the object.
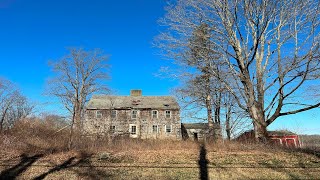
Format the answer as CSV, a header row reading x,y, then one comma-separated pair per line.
x,y
32,32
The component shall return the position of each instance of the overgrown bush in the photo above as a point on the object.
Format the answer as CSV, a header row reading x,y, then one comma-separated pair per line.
x,y
33,134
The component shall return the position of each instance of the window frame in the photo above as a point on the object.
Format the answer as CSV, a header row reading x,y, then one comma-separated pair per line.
x,y
113,129
169,113
166,129
99,112
157,114
115,115
136,115
135,129
157,129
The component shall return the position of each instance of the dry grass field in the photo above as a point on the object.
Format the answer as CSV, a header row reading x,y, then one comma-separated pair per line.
x,y
33,150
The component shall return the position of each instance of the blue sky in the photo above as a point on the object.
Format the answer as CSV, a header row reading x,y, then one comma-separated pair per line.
x,y
32,32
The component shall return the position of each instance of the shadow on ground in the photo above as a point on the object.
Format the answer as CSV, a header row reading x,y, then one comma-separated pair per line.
x,y
85,170
203,163
25,162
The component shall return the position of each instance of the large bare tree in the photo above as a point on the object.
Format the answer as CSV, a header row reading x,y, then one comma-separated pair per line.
x,y
271,49
78,76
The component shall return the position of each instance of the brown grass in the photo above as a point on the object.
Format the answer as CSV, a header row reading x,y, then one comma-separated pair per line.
x,y
124,158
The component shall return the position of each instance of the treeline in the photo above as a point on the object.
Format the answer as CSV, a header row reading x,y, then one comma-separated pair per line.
x,y
310,140
13,105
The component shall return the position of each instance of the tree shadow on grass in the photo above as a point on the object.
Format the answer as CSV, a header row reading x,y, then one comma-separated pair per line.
x,y
88,171
205,165
67,164
25,162
82,166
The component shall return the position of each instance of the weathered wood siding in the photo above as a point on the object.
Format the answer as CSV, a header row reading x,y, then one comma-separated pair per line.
x,y
144,123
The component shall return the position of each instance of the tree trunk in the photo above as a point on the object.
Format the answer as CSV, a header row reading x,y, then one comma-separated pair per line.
x,y
77,118
259,124
1,125
228,128
260,131
210,120
70,143
3,118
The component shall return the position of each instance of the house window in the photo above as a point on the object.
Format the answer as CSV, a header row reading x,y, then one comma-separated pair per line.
x,y
133,130
113,113
112,129
168,128
134,114
155,129
154,114
168,114
98,114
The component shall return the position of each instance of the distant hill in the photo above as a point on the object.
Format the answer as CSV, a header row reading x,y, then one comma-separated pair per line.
x,y
310,140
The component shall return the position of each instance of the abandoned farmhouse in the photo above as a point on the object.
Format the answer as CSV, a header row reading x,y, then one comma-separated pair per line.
x,y
145,117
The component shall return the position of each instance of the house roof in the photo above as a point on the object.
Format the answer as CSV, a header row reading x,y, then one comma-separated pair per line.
x,y
195,125
270,133
280,133
132,102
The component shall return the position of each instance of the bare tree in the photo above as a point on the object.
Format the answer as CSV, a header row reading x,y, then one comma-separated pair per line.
x,y
13,105
236,119
78,76
271,49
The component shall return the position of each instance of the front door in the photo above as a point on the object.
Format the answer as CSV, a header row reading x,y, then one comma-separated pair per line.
x,y
133,130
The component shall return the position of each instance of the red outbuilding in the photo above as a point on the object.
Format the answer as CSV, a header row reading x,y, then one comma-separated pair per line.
x,y
283,138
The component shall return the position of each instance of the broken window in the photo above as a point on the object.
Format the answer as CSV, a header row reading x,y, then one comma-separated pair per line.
x,y
154,114
113,113
134,114
168,114
98,114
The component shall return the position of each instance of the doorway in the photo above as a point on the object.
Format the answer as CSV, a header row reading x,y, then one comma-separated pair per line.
x,y
195,136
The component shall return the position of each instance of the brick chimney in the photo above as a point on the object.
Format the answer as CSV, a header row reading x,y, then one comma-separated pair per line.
x,y
135,92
